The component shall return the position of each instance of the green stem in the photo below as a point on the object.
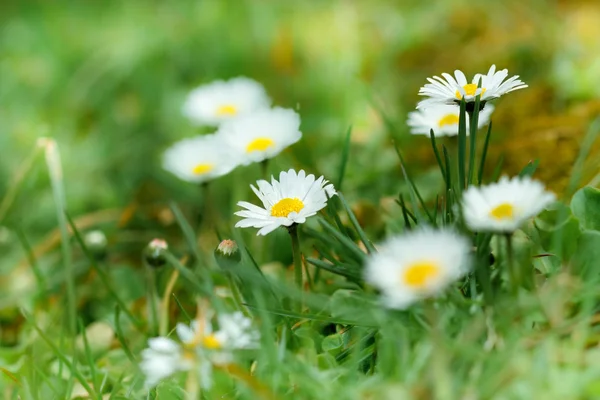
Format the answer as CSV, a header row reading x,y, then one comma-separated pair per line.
x,y
293,230
513,273
151,300
237,295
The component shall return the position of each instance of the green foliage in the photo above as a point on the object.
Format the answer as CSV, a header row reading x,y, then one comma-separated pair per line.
x,y
106,81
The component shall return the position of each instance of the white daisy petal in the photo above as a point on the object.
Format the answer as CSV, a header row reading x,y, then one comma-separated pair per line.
x,y
504,206
450,90
262,134
291,199
199,159
220,101
443,119
418,264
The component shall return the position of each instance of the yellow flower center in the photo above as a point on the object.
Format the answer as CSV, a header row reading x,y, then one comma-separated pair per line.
x,y
227,110
418,274
503,211
284,207
202,169
448,119
211,342
470,90
259,144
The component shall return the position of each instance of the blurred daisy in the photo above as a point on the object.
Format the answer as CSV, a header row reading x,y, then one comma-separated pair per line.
x,y
450,90
200,348
418,264
199,159
262,134
504,206
219,101
443,119
292,199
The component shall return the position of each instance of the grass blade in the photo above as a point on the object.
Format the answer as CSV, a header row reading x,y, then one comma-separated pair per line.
x,y
74,371
530,168
58,191
102,275
344,240
363,237
437,155
334,268
484,154
474,124
462,144
344,160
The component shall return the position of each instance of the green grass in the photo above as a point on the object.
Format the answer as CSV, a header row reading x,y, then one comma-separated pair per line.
x,y
106,82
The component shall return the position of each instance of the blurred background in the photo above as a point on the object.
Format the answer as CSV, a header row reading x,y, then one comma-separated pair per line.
x,y
107,80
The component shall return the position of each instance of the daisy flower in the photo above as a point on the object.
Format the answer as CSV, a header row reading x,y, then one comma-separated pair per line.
x,y
451,89
200,348
418,264
292,199
443,119
199,159
262,134
504,206
219,101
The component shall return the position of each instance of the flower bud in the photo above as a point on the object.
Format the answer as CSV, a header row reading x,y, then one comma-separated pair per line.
x,y
227,254
96,242
154,253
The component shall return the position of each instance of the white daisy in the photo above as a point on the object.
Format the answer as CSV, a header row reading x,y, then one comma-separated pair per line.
x,y
504,206
418,264
288,201
219,101
443,119
450,90
161,359
199,159
262,134
201,348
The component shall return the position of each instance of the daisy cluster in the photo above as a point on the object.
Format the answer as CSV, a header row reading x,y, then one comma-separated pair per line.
x,y
440,111
199,348
405,268
248,130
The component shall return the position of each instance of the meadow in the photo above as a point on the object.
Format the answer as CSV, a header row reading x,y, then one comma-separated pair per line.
x,y
241,200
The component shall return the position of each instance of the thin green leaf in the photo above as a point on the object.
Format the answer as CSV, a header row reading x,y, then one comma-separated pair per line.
x,y
437,155
484,154
64,359
474,125
344,240
187,230
344,160
88,353
363,237
102,274
462,145
121,337
413,191
346,272
530,168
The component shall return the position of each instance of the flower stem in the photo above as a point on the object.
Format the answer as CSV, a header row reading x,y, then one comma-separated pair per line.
x,y
512,271
293,230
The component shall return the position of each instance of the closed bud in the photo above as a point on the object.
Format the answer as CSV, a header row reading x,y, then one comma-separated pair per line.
x,y
227,254
96,242
154,253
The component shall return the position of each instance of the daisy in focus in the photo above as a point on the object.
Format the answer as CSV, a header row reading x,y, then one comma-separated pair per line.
x,y
262,134
199,159
418,264
443,119
219,101
452,89
199,350
292,199
504,206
